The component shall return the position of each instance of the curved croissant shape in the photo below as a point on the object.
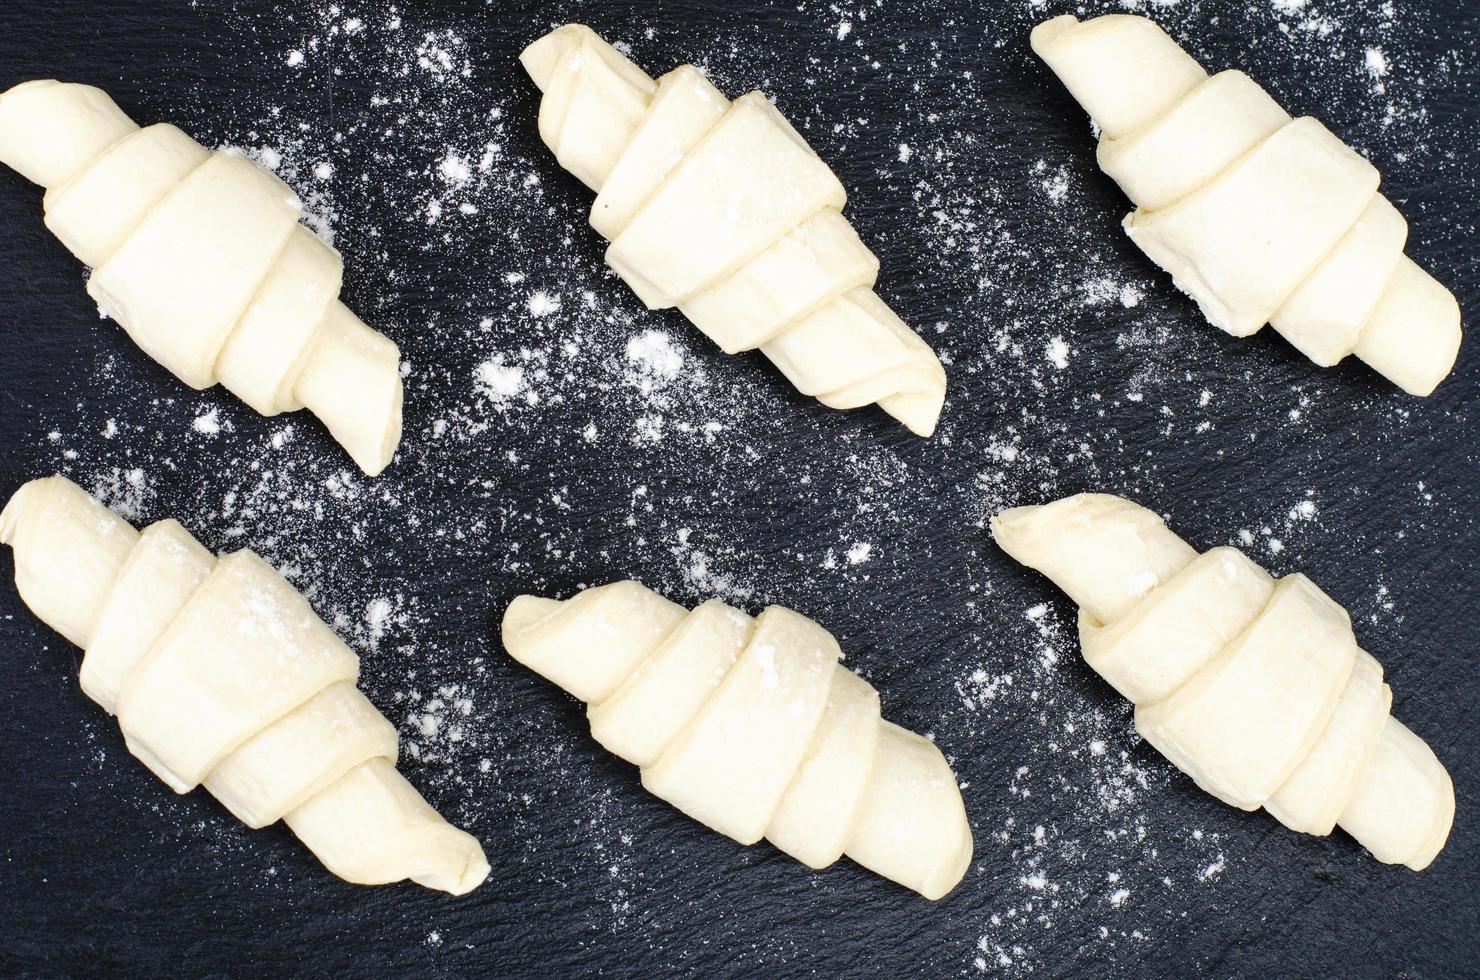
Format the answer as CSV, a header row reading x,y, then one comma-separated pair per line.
x,y
752,727
220,673
1258,217
200,257
1254,687
721,209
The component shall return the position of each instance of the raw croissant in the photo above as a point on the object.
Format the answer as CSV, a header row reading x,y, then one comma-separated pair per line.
x,y
200,257
1254,687
723,210
1258,217
220,673
752,727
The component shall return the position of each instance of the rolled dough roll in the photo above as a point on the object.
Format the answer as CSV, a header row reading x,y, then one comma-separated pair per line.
x,y
1260,218
199,256
723,210
1255,688
753,727
221,673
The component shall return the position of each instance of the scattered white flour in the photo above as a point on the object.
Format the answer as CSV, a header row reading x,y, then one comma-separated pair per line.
x,y
1057,353
455,169
501,382
126,492
542,303
654,358
378,614
1054,183
1376,62
208,423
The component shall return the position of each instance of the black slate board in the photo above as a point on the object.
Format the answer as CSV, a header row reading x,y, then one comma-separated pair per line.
x,y
997,235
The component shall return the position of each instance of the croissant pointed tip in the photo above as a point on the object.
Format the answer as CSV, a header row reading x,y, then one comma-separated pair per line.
x,y
1414,334
50,130
1050,31
1009,518
919,411
542,55
378,451
11,515
474,872
522,613
352,382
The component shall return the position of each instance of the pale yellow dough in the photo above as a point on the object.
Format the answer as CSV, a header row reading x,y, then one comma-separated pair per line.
x,y
199,256
753,727
220,673
1258,217
722,210
1255,688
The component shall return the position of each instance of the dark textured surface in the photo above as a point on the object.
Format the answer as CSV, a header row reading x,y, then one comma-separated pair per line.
x,y
997,235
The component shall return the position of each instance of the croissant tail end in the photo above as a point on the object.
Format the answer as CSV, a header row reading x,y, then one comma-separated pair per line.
x,y
1122,68
541,57
50,131
372,827
1016,528
1403,806
1414,334
1443,824
919,411
15,512
1050,32
457,878
524,612
951,873
912,828
352,382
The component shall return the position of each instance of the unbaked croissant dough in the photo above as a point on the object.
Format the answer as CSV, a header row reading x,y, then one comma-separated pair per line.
x,y
721,209
1258,217
753,727
220,673
200,257
1254,687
